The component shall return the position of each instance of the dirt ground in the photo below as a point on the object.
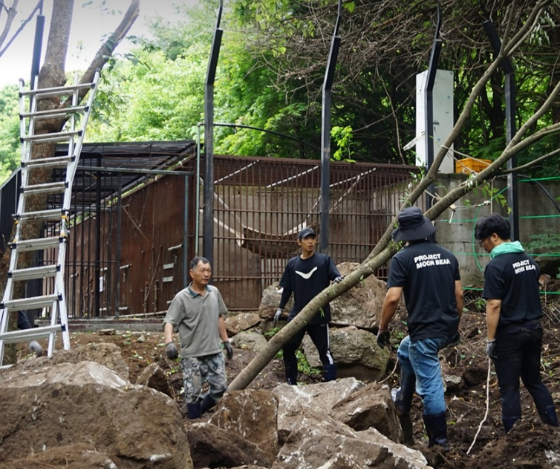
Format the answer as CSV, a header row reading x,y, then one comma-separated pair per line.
x,y
474,444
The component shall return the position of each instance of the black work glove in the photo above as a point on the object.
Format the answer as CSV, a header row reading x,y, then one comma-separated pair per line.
x,y
277,316
171,351
383,336
490,346
229,350
338,279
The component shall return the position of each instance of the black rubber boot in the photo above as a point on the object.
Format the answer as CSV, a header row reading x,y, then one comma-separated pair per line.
x,y
436,428
207,403
402,397
291,372
193,410
330,372
407,430
549,416
508,423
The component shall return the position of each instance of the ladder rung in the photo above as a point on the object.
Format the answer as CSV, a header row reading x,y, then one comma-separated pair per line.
x,y
34,302
53,112
24,335
54,137
34,272
53,214
36,244
56,91
46,188
53,162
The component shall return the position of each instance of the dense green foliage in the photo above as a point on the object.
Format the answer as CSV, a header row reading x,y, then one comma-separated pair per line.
x,y
9,131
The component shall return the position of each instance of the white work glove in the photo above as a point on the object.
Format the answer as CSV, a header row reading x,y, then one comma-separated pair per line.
x,y
277,316
338,279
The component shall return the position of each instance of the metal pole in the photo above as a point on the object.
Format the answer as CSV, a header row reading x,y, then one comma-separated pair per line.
x,y
510,92
326,135
208,228
118,249
97,241
429,105
37,46
197,186
185,235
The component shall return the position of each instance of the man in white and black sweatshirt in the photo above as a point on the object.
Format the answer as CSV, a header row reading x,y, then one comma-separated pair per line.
x,y
306,275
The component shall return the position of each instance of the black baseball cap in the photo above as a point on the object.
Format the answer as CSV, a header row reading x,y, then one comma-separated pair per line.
x,y
306,232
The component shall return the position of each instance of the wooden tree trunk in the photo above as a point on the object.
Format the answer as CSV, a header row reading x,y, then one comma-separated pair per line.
x,y
52,74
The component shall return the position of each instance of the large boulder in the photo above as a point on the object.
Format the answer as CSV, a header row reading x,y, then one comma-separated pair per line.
x,y
361,305
77,456
106,354
270,301
318,399
238,322
324,442
251,414
70,403
212,446
355,353
250,340
370,407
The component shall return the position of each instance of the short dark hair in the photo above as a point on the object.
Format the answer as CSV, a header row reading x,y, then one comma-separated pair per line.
x,y
494,223
196,260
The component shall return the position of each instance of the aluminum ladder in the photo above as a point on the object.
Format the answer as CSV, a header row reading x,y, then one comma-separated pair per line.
x,y
51,273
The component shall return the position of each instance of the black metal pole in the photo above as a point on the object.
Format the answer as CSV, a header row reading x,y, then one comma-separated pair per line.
x,y
37,46
429,106
118,249
97,274
186,235
326,135
208,215
510,92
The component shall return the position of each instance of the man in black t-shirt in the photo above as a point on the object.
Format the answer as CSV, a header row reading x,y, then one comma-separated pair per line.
x,y
428,275
513,309
306,276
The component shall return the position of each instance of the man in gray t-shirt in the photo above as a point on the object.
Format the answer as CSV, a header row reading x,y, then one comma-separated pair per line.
x,y
197,312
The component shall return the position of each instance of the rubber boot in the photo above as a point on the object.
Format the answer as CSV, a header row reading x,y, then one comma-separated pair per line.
x,y
207,403
291,372
509,422
402,397
549,416
407,430
330,372
194,410
436,428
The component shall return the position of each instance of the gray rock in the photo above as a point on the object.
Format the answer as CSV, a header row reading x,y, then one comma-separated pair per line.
x,y
361,305
235,323
249,340
252,414
370,407
67,403
355,352
211,446
324,442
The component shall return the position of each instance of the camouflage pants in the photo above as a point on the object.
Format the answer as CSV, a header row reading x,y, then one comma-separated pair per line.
x,y
210,369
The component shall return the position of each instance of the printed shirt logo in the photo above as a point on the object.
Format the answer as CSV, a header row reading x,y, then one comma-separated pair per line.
x,y
308,275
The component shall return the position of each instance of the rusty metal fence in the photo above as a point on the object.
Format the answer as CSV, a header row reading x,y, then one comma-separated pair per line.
x,y
260,204
132,234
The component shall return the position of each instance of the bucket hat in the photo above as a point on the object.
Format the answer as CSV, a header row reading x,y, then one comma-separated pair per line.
x,y
413,225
